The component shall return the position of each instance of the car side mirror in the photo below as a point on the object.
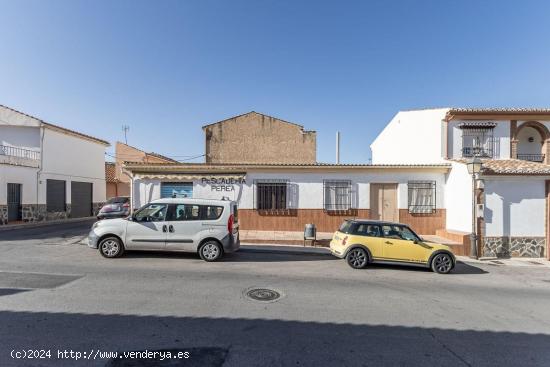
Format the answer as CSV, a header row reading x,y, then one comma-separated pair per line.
x,y
415,242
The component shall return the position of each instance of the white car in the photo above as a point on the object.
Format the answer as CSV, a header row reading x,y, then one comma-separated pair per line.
x,y
207,227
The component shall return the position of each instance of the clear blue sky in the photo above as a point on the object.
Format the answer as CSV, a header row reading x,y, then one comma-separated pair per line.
x,y
168,67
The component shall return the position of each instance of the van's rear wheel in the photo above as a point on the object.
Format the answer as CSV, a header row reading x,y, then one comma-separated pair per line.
x,y
210,251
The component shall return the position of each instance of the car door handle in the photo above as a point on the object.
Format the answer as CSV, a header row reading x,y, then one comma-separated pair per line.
x,y
171,228
388,243
164,229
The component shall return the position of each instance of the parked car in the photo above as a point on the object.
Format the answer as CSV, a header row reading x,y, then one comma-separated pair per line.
x,y
362,242
207,227
117,207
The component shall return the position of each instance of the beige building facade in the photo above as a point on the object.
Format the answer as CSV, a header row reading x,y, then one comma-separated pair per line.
x,y
257,138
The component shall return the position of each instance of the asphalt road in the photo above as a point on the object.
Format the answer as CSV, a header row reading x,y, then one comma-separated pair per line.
x,y
56,294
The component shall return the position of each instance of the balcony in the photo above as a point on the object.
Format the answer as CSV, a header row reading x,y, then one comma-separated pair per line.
x,y
482,152
19,156
539,158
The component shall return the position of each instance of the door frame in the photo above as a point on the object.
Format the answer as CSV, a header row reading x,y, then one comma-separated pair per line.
x,y
20,204
374,199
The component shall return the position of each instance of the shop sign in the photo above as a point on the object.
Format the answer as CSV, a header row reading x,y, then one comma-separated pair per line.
x,y
223,183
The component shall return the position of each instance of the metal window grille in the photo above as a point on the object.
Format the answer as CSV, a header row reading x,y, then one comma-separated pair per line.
x,y
337,195
422,197
478,142
271,195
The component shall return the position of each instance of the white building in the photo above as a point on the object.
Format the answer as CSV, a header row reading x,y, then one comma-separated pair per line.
x,y
46,171
284,197
514,145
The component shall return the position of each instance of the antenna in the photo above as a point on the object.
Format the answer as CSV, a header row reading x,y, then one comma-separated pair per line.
x,y
125,128
338,147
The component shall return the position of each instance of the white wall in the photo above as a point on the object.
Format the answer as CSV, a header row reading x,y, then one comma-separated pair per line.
x,y
69,158
21,175
411,137
20,137
309,187
458,198
526,147
515,207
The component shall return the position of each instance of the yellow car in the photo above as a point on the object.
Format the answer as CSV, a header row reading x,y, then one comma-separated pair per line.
x,y
362,242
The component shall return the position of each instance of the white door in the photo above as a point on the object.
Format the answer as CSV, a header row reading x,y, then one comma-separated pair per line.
x,y
184,227
149,229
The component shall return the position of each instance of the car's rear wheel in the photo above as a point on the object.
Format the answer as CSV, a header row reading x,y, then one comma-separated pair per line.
x,y
211,251
442,263
357,258
111,247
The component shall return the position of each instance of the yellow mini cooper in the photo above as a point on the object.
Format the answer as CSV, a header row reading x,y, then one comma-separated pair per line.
x,y
362,242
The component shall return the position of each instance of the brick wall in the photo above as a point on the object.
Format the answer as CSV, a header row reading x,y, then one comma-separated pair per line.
x,y
257,138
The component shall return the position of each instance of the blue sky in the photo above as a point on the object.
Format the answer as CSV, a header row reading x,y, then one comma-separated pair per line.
x,y
165,68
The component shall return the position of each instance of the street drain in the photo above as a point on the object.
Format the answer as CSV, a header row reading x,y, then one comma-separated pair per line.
x,y
263,294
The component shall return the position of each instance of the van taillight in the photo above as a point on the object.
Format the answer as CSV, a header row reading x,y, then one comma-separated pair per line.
x,y
230,224
344,241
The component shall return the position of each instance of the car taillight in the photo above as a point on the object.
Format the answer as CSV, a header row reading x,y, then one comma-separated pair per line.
x,y
344,241
230,224
126,205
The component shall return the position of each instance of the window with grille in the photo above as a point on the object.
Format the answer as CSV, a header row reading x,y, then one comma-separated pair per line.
x,y
478,141
422,197
337,195
271,194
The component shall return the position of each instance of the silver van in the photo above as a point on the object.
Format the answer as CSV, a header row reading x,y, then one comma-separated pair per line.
x,y
207,227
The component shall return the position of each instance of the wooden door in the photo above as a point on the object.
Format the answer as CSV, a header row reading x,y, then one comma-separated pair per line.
x,y
383,202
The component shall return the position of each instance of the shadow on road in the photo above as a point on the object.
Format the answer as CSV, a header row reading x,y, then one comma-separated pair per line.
x,y
49,231
460,268
261,342
245,256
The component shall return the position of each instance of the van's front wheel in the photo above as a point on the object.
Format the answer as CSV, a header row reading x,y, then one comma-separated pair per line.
x,y
210,251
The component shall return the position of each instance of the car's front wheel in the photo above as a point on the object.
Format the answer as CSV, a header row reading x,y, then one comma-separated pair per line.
x,y
211,251
357,258
111,247
442,263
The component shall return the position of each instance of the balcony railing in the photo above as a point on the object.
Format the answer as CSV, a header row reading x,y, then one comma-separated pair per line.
x,y
19,152
482,152
532,157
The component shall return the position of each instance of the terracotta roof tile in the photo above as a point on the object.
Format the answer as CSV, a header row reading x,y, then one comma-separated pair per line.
x,y
110,172
511,167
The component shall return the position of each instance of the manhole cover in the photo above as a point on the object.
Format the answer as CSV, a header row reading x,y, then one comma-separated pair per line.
x,y
263,294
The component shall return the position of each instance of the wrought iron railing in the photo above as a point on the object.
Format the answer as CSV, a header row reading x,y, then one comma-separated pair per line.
x,y
19,152
532,157
484,152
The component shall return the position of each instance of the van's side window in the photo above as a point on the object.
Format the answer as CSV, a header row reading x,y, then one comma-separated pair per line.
x,y
182,212
212,212
151,213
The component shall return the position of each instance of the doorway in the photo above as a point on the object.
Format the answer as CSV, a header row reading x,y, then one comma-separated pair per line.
x,y
383,202
14,202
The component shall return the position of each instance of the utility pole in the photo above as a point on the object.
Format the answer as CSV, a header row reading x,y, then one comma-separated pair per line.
x,y
125,129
